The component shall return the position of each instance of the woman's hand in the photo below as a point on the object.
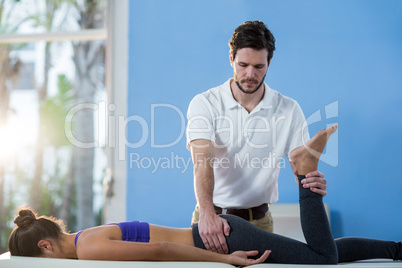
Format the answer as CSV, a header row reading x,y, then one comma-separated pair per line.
x,y
242,257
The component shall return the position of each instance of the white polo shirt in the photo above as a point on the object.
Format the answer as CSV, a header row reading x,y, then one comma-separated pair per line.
x,y
249,147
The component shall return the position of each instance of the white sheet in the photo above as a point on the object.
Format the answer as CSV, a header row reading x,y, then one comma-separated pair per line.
x,y
24,262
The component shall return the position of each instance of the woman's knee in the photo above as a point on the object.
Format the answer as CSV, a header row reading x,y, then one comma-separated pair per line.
x,y
332,258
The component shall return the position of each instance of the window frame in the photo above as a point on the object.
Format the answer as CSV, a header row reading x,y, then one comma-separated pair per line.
x,y
116,36
115,206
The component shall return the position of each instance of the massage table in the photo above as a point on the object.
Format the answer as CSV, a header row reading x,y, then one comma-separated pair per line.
x,y
23,262
286,222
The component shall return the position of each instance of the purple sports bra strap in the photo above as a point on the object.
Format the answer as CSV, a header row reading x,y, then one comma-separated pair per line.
x,y
76,237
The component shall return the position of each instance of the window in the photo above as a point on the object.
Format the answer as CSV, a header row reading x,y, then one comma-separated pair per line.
x,y
33,128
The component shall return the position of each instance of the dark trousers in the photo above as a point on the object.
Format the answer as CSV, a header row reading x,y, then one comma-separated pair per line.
x,y
320,248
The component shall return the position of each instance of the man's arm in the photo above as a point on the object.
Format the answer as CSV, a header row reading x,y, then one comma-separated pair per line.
x,y
212,228
314,180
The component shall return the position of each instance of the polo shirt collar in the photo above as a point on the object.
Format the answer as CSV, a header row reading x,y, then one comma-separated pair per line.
x,y
267,101
230,102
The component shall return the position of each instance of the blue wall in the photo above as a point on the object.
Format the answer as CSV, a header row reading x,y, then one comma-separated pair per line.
x,y
339,59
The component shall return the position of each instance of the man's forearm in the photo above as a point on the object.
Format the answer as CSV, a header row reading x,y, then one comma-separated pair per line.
x,y
204,186
202,154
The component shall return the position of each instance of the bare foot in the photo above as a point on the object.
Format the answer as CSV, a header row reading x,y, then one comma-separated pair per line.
x,y
305,158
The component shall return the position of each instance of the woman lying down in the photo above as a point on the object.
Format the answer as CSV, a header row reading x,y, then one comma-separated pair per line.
x,y
139,241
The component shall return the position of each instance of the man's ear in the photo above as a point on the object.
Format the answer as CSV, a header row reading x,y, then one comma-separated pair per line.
x,y
45,245
269,63
231,59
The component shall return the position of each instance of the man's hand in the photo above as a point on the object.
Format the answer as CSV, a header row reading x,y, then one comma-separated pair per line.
x,y
242,257
316,182
213,230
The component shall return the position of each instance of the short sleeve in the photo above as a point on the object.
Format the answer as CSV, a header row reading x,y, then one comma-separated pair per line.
x,y
200,120
299,134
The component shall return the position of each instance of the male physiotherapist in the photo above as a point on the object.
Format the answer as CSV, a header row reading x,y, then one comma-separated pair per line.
x,y
238,133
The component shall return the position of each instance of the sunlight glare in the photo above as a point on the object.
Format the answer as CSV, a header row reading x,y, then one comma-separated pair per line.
x,y
9,142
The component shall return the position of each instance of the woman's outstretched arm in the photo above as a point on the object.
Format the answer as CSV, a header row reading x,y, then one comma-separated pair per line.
x,y
105,249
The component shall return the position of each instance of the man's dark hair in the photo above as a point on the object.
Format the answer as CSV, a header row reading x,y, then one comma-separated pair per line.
x,y
252,34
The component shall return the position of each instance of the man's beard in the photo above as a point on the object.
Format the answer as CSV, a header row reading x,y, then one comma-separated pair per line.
x,y
250,92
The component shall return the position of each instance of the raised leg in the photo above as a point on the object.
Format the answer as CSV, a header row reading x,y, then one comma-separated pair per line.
x,y
315,225
306,158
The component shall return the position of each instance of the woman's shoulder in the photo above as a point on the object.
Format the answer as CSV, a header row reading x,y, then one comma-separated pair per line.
x,y
102,232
